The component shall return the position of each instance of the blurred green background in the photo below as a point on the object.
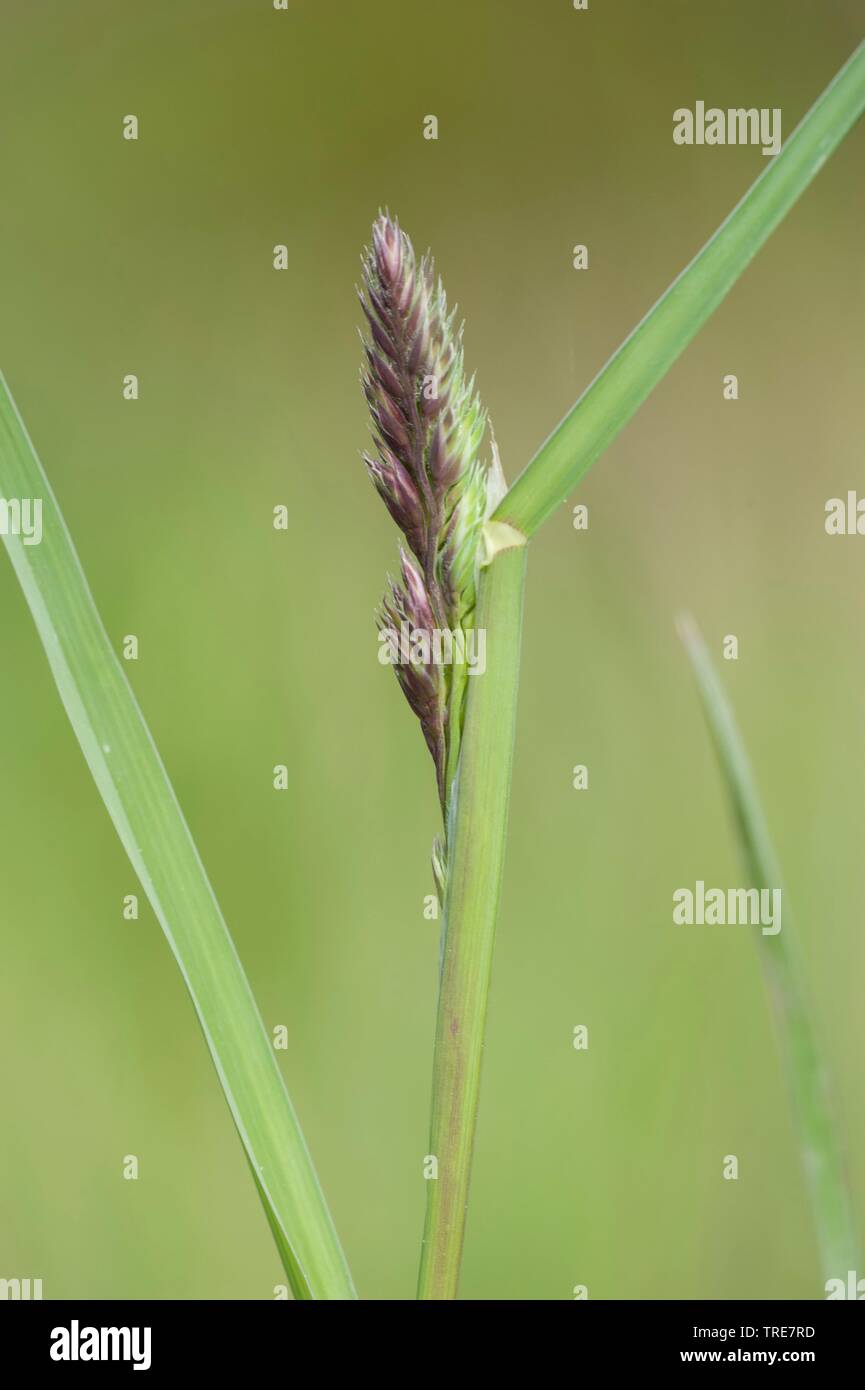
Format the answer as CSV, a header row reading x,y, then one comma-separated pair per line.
x,y
258,647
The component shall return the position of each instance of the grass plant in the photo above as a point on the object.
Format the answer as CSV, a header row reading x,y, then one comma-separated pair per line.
x,y
463,564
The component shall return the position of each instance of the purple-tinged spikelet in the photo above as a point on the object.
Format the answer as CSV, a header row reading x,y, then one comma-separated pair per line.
x,y
428,426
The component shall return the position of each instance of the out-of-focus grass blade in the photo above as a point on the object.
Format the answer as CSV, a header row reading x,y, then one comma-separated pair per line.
x,y
133,784
806,1075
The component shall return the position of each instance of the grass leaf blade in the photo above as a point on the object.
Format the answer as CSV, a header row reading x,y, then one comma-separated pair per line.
x,y
647,354
806,1076
132,781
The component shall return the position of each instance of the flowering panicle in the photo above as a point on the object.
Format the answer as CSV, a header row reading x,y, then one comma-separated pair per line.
x,y
428,426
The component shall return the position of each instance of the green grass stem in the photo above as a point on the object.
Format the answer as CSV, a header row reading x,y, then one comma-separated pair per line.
x,y
476,860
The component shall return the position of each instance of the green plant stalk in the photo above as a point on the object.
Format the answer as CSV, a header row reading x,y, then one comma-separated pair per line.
x,y
476,857
133,784
651,349
806,1077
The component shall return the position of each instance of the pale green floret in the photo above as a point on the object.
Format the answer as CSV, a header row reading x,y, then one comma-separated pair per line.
x,y
462,552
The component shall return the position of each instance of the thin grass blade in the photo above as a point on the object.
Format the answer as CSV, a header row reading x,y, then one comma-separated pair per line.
x,y
649,352
805,1072
133,784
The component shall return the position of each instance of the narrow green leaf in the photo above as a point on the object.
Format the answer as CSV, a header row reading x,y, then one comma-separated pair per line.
x,y
133,784
476,840
805,1072
647,354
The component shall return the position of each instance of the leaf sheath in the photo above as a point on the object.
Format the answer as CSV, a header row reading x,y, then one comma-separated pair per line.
x,y
475,869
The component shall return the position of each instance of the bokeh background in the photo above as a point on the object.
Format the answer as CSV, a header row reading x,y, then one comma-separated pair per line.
x,y
257,647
